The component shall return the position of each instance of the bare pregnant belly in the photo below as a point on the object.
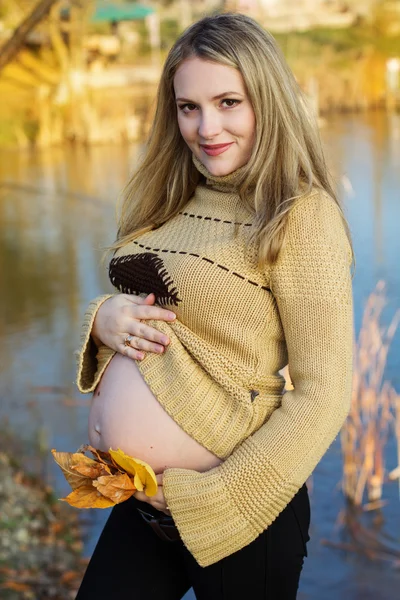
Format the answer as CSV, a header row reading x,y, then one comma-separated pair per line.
x,y
125,414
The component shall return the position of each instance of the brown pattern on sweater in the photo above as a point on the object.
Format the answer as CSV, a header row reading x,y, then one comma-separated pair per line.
x,y
143,274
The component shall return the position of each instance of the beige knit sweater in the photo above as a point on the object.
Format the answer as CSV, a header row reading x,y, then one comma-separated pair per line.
x,y
236,327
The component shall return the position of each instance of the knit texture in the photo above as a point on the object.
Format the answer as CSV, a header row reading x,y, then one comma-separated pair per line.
x,y
236,327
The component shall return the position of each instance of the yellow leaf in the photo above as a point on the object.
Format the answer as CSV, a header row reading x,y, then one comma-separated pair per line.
x,y
116,487
134,466
138,483
87,497
65,462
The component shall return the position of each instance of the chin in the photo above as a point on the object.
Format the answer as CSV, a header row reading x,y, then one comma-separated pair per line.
x,y
219,170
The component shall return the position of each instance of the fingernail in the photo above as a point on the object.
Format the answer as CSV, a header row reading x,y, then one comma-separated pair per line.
x,y
160,349
140,356
171,315
165,341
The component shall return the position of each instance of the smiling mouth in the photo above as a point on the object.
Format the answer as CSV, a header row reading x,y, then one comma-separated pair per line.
x,y
215,149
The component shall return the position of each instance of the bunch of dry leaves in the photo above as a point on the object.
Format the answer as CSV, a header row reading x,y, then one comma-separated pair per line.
x,y
106,479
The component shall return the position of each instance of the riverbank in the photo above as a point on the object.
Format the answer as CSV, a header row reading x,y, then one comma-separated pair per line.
x,y
341,70
40,537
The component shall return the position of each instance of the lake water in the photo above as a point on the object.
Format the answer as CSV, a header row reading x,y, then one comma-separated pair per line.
x,y
57,212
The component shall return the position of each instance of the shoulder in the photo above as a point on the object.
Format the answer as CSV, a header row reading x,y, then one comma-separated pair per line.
x,y
315,205
316,255
316,219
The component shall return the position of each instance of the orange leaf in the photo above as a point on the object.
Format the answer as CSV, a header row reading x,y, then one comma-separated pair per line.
x,y
87,497
116,487
88,467
65,462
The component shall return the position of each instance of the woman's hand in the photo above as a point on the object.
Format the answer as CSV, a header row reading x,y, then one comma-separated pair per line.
x,y
157,501
123,315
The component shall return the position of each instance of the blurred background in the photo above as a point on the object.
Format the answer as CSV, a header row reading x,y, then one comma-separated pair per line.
x,y
77,87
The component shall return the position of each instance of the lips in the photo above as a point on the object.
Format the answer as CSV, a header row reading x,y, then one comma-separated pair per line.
x,y
215,149
211,146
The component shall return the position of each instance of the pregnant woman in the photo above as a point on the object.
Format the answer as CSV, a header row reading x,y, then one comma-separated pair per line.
x,y
232,260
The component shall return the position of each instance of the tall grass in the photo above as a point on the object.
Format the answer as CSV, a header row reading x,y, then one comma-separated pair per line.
x,y
375,409
374,417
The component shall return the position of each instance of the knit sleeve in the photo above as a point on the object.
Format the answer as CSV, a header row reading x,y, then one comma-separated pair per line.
x,y
91,361
222,510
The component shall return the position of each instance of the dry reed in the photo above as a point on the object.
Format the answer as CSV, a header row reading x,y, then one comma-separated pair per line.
x,y
375,406
374,416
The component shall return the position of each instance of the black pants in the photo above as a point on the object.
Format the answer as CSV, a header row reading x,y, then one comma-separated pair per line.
x,y
131,562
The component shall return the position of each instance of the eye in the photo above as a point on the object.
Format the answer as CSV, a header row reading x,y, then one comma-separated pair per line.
x,y
186,108
231,102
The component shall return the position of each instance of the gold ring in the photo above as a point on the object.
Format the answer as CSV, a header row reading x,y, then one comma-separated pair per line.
x,y
128,339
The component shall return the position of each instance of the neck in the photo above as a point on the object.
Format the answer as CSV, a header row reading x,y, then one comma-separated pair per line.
x,y
223,183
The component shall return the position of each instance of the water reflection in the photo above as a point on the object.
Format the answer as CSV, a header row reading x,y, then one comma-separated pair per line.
x,y
57,212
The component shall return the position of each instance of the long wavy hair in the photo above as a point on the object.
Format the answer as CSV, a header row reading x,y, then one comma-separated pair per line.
x,y
287,160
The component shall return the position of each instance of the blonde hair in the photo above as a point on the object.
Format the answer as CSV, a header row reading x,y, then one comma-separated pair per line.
x,y
287,160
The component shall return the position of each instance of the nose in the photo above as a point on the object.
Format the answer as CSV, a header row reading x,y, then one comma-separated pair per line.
x,y
209,125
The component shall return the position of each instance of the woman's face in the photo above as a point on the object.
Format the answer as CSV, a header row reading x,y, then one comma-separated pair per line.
x,y
215,116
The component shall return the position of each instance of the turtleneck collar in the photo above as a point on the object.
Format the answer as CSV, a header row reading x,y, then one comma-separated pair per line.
x,y
222,183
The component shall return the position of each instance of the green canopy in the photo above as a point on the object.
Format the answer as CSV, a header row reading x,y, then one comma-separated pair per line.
x,y
108,11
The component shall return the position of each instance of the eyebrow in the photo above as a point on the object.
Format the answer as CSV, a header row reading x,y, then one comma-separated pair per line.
x,y
218,97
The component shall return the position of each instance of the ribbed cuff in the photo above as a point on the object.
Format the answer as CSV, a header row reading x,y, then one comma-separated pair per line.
x,y
223,510
209,523
91,361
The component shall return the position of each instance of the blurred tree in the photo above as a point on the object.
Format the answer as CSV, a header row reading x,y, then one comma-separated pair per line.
x,y
17,40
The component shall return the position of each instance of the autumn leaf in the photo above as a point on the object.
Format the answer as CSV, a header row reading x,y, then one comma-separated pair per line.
x,y
144,476
101,456
88,467
116,487
87,497
65,462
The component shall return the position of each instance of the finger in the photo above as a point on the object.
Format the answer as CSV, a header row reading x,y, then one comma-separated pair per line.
x,y
158,497
158,504
145,311
134,299
150,334
153,501
131,352
145,346
142,345
142,497
153,312
150,299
